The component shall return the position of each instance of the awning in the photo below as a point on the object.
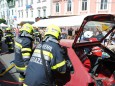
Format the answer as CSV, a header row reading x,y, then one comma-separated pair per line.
x,y
62,22
3,25
25,20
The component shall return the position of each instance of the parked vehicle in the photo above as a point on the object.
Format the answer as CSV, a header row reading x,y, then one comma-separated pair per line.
x,y
90,62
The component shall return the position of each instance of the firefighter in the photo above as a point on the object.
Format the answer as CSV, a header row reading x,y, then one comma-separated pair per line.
x,y
37,36
23,49
47,58
9,39
1,35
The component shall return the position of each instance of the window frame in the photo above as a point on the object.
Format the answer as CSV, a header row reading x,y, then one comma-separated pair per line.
x,y
26,2
22,13
21,2
26,13
103,4
39,13
38,1
43,0
32,13
57,7
84,5
69,5
44,12
32,2
19,13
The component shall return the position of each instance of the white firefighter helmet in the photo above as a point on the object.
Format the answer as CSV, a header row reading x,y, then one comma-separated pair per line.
x,y
88,34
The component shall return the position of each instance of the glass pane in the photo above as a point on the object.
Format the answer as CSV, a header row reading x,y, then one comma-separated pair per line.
x,y
85,5
94,29
44,12
82,5
57,7
38,13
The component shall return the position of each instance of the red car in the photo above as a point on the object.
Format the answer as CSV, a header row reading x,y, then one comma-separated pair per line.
x,y
89,60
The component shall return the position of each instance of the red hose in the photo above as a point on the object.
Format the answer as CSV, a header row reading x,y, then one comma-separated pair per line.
x,y
11,82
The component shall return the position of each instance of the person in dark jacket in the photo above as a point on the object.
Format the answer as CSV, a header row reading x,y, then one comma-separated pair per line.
x,y
23,49
1,35
37,36
47,59
9,39
70,33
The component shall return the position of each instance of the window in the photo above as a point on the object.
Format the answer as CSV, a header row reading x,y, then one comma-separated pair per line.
x,y
26,13
39,13
22,14
19,13
26,2
18,3
13,2
69,5
12,12
43,0
38,1
31,1
21,2
84,5
32,13
9,13
44,12
3,13
57,7
103,4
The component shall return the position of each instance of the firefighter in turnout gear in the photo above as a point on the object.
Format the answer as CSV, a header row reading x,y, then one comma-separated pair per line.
x,y
9,39
1,35
46,59
37,36
23,49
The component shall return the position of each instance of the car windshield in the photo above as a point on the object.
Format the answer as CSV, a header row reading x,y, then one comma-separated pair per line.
x,y
95,31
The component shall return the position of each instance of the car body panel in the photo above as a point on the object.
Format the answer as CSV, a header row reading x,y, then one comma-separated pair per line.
x,y
75,49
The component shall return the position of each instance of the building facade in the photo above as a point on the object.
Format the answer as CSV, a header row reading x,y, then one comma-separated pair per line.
x,y
7,11
81,7
29,10
4,10
24,10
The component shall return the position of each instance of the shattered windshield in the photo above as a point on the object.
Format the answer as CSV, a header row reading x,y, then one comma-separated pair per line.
x,y
95,31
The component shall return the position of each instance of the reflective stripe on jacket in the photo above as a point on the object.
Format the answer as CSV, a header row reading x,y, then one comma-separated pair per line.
x,y
23,51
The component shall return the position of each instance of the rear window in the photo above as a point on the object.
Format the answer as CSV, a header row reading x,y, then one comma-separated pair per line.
x,y
95,31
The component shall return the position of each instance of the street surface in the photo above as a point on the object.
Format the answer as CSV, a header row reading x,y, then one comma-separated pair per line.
x,y
10,78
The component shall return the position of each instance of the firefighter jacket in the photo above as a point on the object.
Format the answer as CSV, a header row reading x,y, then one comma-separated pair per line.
x,y
37,36
36,33
8,37
23,51
53,55
1,34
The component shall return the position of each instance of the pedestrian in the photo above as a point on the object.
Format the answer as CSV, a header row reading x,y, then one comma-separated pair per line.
x,y
64,33
37,36
47,58
70,33
23,49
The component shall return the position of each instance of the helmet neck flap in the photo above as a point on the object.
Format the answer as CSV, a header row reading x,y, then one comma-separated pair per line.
x,y
50,38
26,34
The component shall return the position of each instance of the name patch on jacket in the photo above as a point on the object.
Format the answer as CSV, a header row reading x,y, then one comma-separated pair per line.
x,y
37,60
45,47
